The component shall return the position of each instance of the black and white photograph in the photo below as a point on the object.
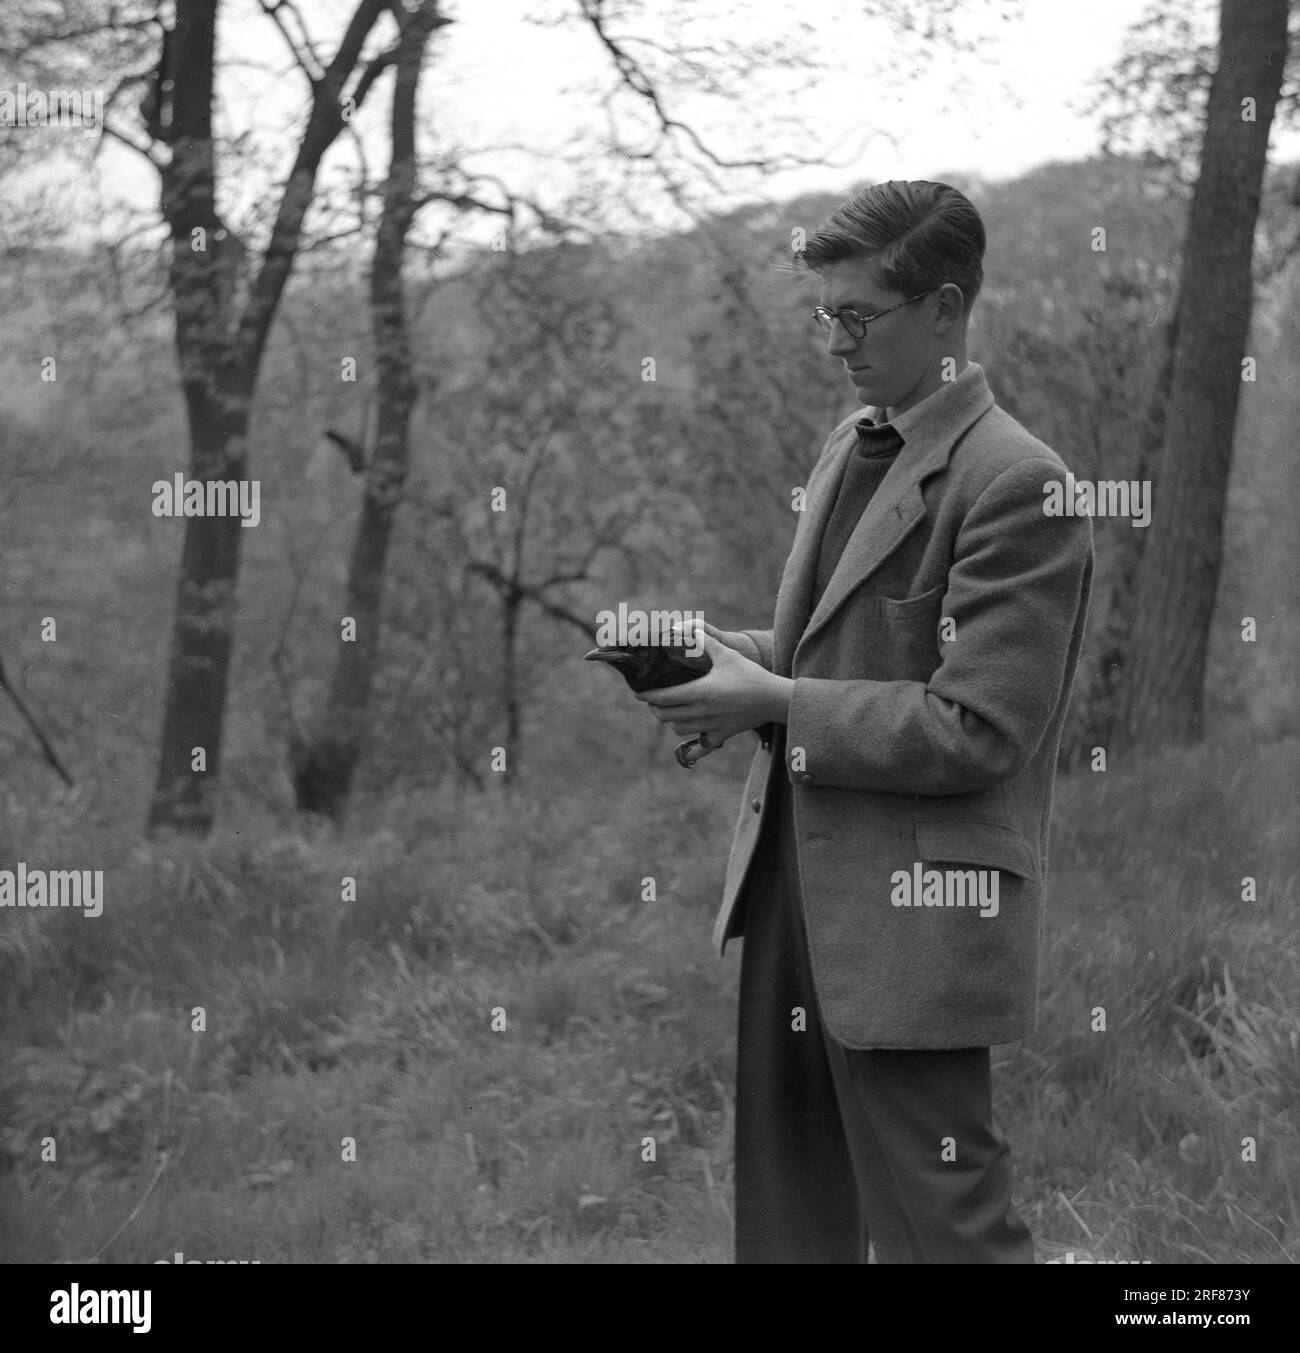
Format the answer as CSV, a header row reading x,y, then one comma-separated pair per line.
x,y
649,632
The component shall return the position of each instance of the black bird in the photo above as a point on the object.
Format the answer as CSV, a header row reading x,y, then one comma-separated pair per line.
x,y
650,667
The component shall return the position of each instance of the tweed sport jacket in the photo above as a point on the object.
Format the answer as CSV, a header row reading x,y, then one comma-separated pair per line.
x,y
930,687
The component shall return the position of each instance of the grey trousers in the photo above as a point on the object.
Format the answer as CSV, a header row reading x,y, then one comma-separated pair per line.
x,y
837,1148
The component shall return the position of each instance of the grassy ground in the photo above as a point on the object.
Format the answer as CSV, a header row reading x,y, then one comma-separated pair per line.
x,y
372,1020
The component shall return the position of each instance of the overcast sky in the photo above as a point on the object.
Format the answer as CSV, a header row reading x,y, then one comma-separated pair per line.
x,y
1018,112
497,78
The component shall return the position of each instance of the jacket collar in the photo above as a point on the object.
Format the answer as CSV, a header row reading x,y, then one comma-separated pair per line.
x,y
895,508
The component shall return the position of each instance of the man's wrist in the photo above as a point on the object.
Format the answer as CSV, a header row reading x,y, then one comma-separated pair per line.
x,y
777,706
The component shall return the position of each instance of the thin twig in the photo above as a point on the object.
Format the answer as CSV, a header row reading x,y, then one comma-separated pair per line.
x,y
135,1212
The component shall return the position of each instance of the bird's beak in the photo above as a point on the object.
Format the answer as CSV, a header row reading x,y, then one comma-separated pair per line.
x,y
606,655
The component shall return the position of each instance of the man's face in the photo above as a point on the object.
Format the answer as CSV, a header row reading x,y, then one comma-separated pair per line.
x,y
894,357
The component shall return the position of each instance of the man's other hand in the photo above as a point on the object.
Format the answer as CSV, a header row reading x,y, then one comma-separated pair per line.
x,y
737,694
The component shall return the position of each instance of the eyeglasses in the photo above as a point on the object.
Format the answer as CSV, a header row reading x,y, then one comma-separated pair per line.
x,y
855,325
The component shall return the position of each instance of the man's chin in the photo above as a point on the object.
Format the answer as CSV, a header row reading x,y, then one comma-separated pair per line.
x,y
867,390
871,398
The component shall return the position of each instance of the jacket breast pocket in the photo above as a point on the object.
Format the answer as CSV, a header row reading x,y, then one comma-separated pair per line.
x,y
989,845
911,608
899,637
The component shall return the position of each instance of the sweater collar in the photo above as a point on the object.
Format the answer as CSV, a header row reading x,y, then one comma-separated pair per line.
x,y
934,405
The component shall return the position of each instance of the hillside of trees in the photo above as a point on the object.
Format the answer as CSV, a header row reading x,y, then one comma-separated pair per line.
x,y
329,1015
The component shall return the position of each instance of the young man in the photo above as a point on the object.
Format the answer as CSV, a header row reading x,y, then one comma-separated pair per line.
x,y
888,865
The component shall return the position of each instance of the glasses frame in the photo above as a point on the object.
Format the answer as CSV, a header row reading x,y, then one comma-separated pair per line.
x,y
826,318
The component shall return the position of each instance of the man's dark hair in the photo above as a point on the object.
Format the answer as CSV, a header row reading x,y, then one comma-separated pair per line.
x,y
921,234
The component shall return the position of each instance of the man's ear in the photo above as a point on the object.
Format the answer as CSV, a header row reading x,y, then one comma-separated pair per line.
x,y
952,308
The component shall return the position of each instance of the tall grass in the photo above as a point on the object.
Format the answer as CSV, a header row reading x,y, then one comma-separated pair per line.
x,y
373,1020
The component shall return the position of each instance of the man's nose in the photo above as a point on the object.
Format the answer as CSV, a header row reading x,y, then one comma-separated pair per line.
x,y
841,343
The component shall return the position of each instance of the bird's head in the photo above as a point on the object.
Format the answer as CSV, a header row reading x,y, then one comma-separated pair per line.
x,y
629,659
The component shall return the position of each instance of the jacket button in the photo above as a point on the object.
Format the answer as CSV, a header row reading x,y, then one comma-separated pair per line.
x,y
756,805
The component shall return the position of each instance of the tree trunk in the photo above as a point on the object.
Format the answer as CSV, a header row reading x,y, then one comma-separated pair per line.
x,y
1178,577
1108,647
324,768
219,362
203,633
217,413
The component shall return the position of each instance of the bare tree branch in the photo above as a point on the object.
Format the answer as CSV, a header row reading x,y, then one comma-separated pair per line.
x,y
300,48
511,588
634,77
50,754
325,120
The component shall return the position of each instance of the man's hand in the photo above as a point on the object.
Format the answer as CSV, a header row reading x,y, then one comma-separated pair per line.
x,y
735,640
736,695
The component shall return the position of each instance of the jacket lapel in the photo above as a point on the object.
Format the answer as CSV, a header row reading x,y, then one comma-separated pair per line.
x,y
894,510
794,598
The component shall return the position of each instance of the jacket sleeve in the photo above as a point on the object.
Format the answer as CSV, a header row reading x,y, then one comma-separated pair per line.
x,y
1017,590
